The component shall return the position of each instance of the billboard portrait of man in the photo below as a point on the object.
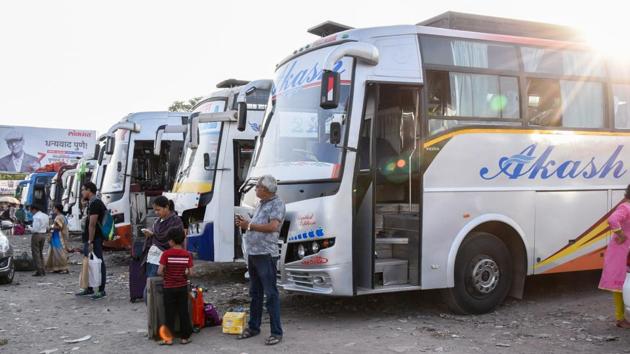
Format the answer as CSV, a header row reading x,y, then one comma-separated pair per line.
x,y
17,160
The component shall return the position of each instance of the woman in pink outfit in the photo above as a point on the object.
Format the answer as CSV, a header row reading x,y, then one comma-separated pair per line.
x,y
615,259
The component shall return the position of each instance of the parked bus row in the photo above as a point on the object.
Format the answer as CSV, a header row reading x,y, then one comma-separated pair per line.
x,y
464,153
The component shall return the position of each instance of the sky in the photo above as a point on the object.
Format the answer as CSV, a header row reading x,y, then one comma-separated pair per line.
x,y
86,64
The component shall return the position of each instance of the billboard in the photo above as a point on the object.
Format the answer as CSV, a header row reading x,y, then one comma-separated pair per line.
x,y
25,149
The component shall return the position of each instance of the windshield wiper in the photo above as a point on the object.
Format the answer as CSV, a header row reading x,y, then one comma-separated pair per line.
x,y
248,185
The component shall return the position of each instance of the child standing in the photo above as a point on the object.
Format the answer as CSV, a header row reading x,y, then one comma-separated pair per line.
x,y
175,266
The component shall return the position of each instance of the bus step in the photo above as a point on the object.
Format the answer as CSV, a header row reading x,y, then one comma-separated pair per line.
x,y
390,271
406,221
392,240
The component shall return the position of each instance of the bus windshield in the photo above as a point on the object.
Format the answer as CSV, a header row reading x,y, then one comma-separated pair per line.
x,y
114,179
192,176
295,138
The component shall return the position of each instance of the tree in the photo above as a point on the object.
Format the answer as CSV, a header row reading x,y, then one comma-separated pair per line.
x,y
183,106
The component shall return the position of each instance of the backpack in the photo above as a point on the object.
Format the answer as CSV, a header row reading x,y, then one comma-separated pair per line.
x,y
107,226
212,315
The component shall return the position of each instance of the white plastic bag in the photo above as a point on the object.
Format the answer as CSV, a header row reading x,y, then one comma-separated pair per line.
x,y
626,293
154,255
94,278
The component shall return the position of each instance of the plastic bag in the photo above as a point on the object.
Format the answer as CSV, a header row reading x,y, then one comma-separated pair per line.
x,y
94,264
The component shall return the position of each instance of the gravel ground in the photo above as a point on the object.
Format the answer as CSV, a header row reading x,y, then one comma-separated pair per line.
x,y
560,314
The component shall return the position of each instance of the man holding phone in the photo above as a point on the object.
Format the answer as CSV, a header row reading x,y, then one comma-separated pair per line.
x,y
261,241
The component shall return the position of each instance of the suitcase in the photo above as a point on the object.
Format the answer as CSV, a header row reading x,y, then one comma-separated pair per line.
x,y
155,307
137,275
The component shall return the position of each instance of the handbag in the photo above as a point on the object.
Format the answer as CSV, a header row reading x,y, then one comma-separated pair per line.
x,y
83,276
94,278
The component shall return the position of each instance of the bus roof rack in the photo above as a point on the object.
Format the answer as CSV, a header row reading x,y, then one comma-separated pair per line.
x,y
500,25
229,83
327,28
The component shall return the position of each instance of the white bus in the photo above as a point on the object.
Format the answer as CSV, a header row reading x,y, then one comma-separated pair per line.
x,y
134,176
435,158
72,182
219,146
101,162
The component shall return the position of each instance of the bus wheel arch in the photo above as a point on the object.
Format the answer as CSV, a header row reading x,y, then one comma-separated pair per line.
x,y
500,239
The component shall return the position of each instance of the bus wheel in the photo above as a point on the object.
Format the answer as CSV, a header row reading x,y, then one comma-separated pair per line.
x,y
483,275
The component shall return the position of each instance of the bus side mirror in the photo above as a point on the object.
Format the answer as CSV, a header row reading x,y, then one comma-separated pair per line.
x,y
109,145
329,96
194,131
97,151
206,161
335,133
242,116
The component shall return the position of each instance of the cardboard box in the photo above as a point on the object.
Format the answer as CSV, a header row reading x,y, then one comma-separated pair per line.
x,y
234,322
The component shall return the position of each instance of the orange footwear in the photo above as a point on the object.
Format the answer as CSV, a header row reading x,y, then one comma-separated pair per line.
x,y
165,335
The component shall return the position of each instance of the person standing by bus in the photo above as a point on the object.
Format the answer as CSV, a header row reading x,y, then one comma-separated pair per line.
x,y
261,241
92,236
616,256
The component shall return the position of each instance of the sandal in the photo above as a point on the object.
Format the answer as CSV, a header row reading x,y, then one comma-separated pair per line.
x,y
247,333
165,342
185,341
273,340
623,324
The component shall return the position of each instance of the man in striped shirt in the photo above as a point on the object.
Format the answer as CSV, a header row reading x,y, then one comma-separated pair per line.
x,y
176,266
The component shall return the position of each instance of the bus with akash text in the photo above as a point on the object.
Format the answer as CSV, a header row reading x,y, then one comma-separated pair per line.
x,y
418,157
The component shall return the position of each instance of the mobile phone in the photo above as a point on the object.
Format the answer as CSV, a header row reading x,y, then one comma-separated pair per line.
x,y
146,231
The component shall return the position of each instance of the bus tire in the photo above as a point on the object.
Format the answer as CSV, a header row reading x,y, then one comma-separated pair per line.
x,y
482,274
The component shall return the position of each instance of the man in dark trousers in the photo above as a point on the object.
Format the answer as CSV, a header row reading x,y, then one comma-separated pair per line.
x,y
92,236
261,241
39,231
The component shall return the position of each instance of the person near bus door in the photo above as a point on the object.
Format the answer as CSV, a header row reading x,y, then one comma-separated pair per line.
x,y
616,256
261,241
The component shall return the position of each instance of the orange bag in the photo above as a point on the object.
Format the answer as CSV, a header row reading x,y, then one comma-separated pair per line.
x,y
198,313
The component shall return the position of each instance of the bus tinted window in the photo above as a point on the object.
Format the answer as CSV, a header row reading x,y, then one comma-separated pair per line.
x,y
472,95
572,63
566,103
619,70
456,52
621,98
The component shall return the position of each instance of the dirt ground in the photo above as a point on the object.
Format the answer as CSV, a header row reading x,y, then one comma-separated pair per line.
x,y
560,314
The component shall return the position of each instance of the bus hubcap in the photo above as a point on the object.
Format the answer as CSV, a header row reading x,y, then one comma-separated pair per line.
x,y
485,275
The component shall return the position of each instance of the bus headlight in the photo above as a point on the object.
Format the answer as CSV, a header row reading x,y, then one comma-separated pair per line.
x,y
301,251
315,247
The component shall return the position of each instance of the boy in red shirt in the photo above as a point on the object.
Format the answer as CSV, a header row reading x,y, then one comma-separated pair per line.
x,y
176,266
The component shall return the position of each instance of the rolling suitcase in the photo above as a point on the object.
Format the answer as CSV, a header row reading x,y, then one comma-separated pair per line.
x,y
155,307
137,275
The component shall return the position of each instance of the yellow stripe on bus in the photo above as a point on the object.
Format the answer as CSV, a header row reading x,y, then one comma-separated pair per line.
x,y
193,187
447,136
584,242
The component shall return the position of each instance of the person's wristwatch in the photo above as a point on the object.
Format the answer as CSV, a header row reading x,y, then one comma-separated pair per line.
x,y
249,226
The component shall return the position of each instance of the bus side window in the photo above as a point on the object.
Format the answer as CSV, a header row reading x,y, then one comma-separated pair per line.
x,y
566,103
621,97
